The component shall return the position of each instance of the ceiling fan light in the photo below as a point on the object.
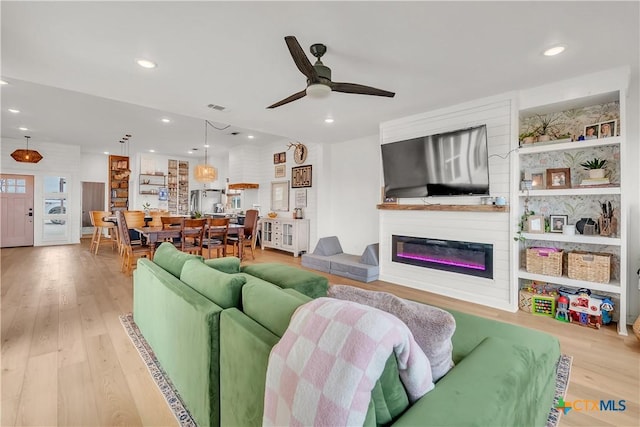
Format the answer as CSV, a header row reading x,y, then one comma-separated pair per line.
x,y
318,90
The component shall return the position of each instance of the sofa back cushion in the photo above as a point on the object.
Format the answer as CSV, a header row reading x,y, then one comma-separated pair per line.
x,y
432,327
171,259
268,305
328,246
284,276
222,288
228,264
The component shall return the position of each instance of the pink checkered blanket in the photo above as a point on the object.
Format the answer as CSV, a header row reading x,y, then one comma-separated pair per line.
x,y
322,371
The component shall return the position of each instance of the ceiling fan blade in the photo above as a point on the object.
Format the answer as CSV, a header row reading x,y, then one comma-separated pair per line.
x,y
300,58
291,98
360,89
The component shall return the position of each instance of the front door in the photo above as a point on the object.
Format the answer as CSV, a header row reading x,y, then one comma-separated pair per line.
x,y
16,210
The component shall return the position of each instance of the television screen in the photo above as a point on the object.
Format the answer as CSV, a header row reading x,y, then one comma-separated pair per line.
x,y
446,164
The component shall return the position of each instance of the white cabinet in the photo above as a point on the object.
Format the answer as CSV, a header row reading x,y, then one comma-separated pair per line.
x,y
577,201
291,235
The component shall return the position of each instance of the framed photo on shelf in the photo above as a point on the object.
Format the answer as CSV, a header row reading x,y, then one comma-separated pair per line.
x,y
557,222
280,171
607,129
558,178
301,176
537,180
535,224
592,131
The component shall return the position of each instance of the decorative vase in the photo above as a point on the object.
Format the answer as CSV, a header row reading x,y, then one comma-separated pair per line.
x,y
584,221
596,173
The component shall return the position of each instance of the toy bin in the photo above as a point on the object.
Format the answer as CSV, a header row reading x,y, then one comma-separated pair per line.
x,y
589,266
547,261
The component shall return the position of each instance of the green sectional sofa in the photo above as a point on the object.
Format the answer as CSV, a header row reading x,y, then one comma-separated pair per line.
x,y
212,328
177,302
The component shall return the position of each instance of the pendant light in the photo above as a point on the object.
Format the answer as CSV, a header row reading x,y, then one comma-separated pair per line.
x,y
26,156
205,172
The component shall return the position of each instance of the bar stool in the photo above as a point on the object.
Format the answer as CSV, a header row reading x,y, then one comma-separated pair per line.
x,y
99,227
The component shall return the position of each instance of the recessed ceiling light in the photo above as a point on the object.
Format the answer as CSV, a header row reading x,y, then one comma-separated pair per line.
x,y
106,152
189,152
165,120
145,63
2,83
22,128
152,151
206,145
552,51
14,111
250,136
328,120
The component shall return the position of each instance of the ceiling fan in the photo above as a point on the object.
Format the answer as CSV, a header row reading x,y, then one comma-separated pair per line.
x,y
319,82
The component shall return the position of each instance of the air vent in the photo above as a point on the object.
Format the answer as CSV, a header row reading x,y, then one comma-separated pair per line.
x,y
217,107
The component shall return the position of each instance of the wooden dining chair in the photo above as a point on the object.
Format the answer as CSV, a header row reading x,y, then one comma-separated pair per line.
x,y
250,234
155,218
100,226
130,252
192,235
215,236
134,219
171,222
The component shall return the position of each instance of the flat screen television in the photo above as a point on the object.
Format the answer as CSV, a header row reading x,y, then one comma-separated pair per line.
x,y
453,163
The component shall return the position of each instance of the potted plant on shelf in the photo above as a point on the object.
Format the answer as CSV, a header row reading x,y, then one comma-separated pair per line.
x,y
527,137
145,207
547,128
595,167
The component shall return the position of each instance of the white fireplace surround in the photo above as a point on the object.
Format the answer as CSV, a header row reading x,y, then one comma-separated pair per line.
x,y
493,228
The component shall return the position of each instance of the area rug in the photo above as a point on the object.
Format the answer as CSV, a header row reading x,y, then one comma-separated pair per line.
x,y
563,371
157,373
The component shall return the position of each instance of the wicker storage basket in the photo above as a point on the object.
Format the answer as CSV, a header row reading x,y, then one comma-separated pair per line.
x,y
590,266
544,261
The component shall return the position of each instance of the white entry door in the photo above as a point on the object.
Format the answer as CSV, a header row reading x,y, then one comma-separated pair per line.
x,y
16,210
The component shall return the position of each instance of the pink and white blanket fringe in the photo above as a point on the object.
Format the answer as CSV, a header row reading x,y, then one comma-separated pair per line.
x,y
322,371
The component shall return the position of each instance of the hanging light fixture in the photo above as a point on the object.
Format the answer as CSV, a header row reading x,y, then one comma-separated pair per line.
x,y
26,156
205,172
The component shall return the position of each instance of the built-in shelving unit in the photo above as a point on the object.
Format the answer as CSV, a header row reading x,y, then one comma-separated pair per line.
x,y
119,172
576,202
178,186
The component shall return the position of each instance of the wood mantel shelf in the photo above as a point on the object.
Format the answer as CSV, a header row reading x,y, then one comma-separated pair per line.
x,y
434,207
242,186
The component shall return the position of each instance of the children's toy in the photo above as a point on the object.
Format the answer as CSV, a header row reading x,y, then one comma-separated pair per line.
x,y
607,310
584,308
543,305
562,310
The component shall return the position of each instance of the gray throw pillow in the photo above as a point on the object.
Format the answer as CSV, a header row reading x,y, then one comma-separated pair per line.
x,y
431,327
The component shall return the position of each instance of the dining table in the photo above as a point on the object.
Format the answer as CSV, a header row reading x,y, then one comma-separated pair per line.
x,y
159,234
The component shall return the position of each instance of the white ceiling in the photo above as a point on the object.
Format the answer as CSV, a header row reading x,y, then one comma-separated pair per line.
x,y
72,71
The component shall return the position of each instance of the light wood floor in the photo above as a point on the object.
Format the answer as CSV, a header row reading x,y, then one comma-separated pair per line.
x,y
67,361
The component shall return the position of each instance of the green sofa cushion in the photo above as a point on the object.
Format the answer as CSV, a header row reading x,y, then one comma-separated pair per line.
x,y
520,378
229,264
182,328
303,281
222,288
268,305
171,259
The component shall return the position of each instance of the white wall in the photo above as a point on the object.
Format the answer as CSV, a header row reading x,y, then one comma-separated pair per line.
x,y
354,181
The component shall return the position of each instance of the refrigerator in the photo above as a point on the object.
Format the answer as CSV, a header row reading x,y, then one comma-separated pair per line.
x,y
205,201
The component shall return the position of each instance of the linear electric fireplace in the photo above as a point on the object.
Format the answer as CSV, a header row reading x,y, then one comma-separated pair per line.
x,y
474,259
